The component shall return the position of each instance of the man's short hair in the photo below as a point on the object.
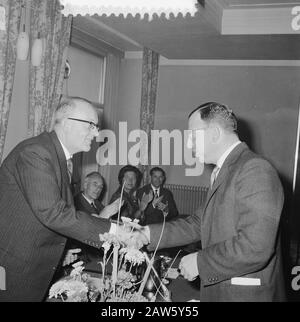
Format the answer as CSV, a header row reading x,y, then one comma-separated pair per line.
x,y
157,169
94,174
219,113
66,105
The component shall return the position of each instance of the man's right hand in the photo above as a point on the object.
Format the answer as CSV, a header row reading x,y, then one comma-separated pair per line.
x,y
137,238
110,210
142,236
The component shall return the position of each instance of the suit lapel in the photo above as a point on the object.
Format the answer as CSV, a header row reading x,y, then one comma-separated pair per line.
x,y
65,187
225,171
61,157
87,204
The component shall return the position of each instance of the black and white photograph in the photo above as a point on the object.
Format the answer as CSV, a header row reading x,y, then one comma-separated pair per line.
x,y
149,153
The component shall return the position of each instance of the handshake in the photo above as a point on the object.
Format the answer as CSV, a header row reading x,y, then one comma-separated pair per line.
x,y
132,234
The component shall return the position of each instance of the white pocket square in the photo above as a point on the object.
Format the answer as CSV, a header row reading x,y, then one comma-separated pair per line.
x,y
245,281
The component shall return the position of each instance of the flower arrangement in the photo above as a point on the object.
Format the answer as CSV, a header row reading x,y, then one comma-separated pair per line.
x,y
125,283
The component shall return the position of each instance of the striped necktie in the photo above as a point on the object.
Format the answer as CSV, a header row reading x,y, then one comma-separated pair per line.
x,y
155,193
70,169
214,175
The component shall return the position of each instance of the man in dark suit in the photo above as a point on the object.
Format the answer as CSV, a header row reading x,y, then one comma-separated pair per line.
x,y
36,204
238,226
87,200
152,214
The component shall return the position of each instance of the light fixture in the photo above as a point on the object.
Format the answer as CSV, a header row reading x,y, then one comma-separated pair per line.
x,y
23,40
37,51
133,7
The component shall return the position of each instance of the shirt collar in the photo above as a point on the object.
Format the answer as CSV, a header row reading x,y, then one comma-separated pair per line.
x,y
223,157
153,188
87,199
66,152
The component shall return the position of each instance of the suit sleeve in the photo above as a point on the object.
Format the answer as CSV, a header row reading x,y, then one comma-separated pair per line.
x,y
173,211
179,232
258,202
40,187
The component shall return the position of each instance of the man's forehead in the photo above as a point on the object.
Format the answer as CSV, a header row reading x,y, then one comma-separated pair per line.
x,y
84,110
157,173
97,180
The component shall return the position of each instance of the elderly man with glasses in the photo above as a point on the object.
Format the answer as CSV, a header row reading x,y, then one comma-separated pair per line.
x,y
37,213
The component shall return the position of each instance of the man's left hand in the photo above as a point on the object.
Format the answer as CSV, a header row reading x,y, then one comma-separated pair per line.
x,y
188,266
71,256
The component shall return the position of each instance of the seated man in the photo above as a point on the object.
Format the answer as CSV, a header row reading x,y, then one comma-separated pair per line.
x,y
87,200
152,213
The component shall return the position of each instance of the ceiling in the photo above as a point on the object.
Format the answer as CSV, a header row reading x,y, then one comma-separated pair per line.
x,y
221,29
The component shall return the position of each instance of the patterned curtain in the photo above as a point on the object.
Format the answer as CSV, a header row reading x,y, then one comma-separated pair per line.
x,y
8,54
148,103
46,80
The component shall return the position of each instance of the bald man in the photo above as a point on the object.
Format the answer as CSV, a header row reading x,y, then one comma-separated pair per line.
x,y
36,204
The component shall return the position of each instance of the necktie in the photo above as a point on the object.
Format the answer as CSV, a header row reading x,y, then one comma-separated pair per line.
x,y
213,176
70,168
155,193
93,205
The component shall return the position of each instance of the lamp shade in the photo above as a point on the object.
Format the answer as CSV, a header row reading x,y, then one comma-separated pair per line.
x,y
23,45
37,52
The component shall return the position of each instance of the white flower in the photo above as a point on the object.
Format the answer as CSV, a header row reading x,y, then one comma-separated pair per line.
x,y
106,245
134,256
57,289
77,271
71,288
126,219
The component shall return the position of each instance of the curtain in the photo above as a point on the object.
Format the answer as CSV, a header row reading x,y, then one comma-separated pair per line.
x,y
148,103
8,44
46,80
109,114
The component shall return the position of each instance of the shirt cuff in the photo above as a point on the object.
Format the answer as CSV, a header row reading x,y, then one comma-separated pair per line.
x,y
113,229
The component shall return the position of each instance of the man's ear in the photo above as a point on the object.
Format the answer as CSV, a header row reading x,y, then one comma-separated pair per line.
x,y
85,183
216,133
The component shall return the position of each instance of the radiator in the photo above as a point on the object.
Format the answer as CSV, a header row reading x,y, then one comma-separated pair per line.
x,y
188,198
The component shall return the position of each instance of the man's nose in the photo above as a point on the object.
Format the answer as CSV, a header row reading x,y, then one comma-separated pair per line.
x,y
96,132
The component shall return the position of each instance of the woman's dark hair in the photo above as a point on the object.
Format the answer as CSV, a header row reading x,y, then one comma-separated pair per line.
x,y
130,168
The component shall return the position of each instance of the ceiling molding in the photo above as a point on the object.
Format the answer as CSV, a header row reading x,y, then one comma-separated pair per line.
x,y
163,61
113,31
228,62
83,40
214,13
258,20
133,55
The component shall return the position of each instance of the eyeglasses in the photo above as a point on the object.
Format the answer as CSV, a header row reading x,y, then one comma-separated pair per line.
x,y
92,126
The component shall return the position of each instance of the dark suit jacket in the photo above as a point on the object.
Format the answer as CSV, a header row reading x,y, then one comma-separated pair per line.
x,y
87,253
153,215
36,217
83,205
130,206
238,228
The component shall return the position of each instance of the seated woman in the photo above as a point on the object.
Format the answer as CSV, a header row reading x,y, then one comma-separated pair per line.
x,y
131,177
